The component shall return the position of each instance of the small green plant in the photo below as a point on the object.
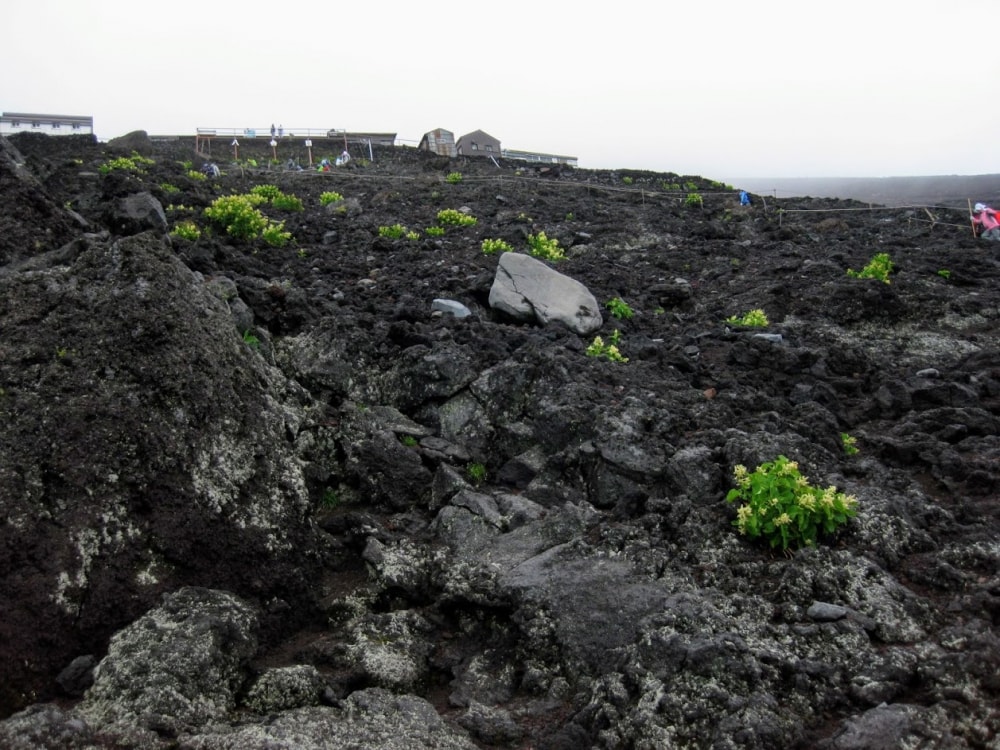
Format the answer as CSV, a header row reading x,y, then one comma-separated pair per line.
x,y
186,230
186,164
671,186
330,499
476,472
491,246
543,247
453,178
302,253
274,234
169,189
850,444
197,176
434,231
250,339
694,200
325,199
451,217
133,163
239,217
879,267
608,350
569,216
619,308
395,232
659,311
779,504
944,273
523,218
753,319
409,441
691,187
627,180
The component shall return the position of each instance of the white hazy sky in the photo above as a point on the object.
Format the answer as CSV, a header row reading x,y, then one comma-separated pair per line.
x,y
723,89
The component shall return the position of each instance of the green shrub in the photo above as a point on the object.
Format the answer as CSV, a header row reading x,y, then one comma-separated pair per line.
x,y
434,231
267,192
694,200
619,308
453,178
287,202
779,504
187,230
944,273
627,180
197,176
691,187
449,216
133,163
879,267
491,246
325,199
396,232
542,247
274,234
238,216
476,472
754,319
169,189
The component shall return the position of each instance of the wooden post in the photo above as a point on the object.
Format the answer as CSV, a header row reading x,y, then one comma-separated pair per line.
x,y
274,150
971,222
236,149
309,148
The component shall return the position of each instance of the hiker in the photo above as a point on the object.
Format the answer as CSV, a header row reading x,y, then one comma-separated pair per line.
x,y
985,222
745,198
343,158
272,131
210,169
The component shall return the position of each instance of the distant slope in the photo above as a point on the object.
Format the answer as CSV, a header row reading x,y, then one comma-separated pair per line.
x,y
947,190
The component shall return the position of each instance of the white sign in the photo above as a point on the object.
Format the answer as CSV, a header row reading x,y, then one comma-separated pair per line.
x,y
235,142
273,143
309,143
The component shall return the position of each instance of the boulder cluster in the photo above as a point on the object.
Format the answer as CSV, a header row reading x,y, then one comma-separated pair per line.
x,y
366,490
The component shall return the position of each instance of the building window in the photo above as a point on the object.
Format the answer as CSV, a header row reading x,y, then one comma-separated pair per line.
x,y
76,126
475,146
15,123
56,125
489,146
36,124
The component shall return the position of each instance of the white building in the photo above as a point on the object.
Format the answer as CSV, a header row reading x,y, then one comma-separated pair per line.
x,y
18,122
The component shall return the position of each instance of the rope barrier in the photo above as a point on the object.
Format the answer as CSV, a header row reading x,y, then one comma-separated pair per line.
x,y
642,192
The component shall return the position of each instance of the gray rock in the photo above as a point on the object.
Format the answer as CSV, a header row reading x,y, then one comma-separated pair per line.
x,y
528,290
451,307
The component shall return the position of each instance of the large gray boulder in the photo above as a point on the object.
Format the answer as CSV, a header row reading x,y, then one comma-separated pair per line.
x,y
528,290
176,667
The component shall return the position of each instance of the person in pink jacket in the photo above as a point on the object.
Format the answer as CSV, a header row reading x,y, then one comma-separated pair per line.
x,y
985,222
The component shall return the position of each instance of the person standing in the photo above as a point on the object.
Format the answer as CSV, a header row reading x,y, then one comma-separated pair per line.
x,y
272,131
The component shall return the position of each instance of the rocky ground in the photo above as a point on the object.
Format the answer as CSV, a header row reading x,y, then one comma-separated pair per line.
x,y
345,493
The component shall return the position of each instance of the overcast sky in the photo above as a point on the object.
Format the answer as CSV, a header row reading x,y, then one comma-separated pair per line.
x,y
768,88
